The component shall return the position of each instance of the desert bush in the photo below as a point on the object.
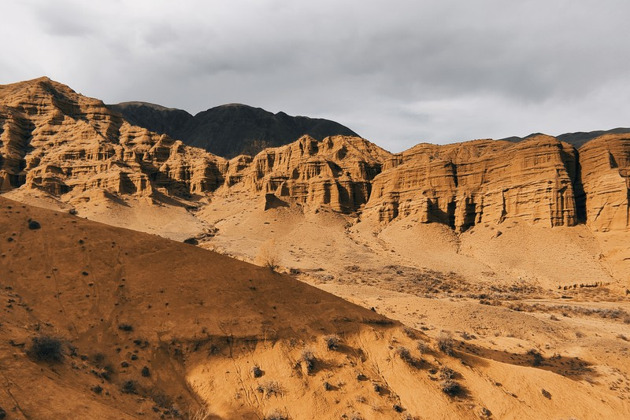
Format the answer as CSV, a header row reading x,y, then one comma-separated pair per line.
x,y
410,332
46,349
33,224
145,372
125,327
129,387
202,414
257,371
270,388
308,357
277,415
332,342
405,356
97,389
537,358
422,347
446,344
447,373
268,257
451,387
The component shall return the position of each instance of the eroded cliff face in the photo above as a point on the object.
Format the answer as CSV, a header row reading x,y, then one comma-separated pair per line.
x,y
605,174
336,172
58,141
482,181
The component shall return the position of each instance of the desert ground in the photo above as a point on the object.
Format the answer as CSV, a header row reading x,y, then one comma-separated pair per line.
x,y
144,278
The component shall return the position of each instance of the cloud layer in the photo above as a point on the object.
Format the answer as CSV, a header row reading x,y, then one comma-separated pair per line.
x,y
398,72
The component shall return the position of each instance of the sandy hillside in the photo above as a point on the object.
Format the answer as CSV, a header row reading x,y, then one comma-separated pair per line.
x,y
148,327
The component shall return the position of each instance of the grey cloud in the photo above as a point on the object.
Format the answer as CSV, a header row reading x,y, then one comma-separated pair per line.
x,y
397,72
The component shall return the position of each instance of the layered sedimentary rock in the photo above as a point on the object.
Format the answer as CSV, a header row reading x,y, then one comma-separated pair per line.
x,y
336,171
480,181
56,140
605,174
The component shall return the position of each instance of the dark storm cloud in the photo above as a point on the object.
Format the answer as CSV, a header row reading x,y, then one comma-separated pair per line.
x,y
397,72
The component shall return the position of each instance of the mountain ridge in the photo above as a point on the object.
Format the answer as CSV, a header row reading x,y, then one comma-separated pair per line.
x,y
231,129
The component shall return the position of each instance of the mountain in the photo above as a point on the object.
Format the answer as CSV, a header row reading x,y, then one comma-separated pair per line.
x,y
229,130
577,139
71,146
505,262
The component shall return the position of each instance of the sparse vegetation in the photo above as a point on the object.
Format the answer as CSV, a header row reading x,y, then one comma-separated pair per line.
x,y
46,349
34,224
447,373
410,332
332,342
129,387
268,257
422,347
546,394
537,358
451,387
446,344
405,356
309,359
257,371
202,414
125,327
270,388
277,415
145,372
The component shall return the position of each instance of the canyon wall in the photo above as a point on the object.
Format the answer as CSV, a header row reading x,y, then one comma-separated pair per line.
x,y
483,181
55,140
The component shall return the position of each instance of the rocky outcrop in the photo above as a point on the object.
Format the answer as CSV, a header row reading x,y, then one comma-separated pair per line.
x,y
55,140
605,174
229,130
58,141
336,172
483,181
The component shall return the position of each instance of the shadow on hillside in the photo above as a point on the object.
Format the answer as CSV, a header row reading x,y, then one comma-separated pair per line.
x,y
570,367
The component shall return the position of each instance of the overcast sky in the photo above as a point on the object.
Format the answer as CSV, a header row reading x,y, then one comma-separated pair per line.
x,y
397,72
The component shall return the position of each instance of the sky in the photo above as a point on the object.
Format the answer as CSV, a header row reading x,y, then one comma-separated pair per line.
x,y
397,72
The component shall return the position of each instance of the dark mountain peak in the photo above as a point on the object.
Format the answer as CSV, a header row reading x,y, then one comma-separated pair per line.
x,y
231,129
149,105
577,139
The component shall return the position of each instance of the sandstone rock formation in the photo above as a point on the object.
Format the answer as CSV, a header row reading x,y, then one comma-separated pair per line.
x,y
61,142
58,141
336,171
229,130
605,174
480,181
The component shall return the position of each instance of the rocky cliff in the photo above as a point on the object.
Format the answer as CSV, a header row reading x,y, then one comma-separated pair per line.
x,y
55,140
479,182
58,141
605,172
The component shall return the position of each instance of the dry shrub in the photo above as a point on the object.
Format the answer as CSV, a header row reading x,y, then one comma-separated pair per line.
x,y
332,342
46,349
277,415
451,388
446,343
268,256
